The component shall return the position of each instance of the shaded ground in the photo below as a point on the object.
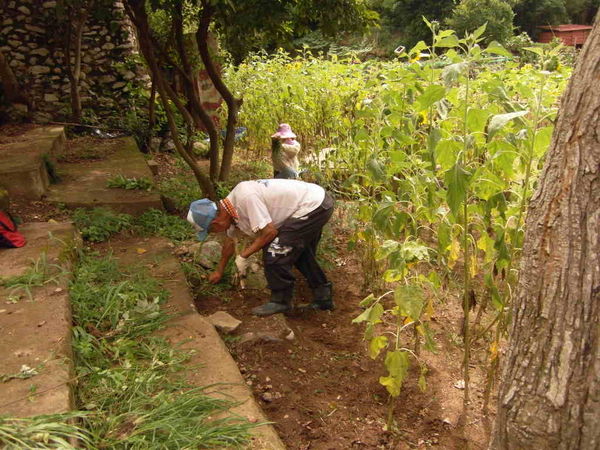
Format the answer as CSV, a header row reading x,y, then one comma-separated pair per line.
x,y
322,389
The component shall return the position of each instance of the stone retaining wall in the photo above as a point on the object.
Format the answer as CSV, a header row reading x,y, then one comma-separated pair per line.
x,y
33,47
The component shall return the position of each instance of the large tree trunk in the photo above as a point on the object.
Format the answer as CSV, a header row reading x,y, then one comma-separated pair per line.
x,y
550,392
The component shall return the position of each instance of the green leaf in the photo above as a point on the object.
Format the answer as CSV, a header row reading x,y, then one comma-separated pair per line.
x,y
447,152
486,184
479,31
367,301
447,41
433,138
429,342
498,121
496,49
419,46
451,73
476,119
372,314
430,95
376,169
409,299
543,137
537,50
396,363
377,344
457,181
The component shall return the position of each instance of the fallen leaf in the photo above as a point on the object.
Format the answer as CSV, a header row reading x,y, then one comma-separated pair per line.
x,y
141,251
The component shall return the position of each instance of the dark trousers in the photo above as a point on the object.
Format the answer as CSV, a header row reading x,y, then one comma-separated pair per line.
x,y
296,245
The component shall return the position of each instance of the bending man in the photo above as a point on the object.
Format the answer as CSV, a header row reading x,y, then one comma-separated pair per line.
x,y
285,218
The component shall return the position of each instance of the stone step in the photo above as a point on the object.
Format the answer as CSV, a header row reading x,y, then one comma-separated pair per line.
x,y
84,184
211,363
24,162
35,326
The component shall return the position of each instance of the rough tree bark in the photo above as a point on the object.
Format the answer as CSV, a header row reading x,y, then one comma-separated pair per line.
x,y
77,14
550,392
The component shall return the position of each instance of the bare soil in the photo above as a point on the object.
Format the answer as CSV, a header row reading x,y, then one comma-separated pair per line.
x,y
321,389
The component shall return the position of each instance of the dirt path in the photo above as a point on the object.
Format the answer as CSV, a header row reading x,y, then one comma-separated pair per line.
x,y
322,389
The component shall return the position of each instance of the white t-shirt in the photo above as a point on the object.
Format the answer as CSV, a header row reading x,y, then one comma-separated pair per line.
x,y
260,202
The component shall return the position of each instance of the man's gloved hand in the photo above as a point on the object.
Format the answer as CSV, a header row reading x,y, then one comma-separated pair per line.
x,y
242,265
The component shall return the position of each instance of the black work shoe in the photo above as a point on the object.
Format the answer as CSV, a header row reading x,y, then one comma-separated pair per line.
x,y
323,299
270,308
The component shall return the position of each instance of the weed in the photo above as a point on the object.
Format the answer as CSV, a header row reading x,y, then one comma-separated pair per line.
x,y
122,182
129,381
45,431
39,274
99,224
162,224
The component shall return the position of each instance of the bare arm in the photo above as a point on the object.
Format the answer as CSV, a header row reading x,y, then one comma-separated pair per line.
x,y
265,236
226,253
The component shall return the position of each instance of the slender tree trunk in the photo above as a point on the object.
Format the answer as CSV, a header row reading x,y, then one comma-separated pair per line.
x,y
233,104
137,14
550,392
152,109
77,18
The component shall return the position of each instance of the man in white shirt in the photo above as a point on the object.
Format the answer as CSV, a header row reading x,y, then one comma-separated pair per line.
x,y
285,218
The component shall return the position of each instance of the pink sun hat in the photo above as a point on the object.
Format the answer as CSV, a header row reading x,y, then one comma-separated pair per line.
x,y
284,132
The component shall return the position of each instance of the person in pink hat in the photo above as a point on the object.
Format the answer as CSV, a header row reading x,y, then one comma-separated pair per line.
x,y
284,153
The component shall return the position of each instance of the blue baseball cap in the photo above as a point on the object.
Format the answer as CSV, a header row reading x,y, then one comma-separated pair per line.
x,y
201,214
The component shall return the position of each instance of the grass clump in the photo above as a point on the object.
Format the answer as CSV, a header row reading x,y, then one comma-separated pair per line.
x,y
122,182
98,224
46,431
39,274
159,223
131,383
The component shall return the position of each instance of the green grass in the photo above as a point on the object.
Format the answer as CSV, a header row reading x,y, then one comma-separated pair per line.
x,y
46,431
39,274
130,379
155,222
122,182
98,224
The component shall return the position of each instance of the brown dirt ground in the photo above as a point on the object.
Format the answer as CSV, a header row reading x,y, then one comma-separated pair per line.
x,y
324,386
324,390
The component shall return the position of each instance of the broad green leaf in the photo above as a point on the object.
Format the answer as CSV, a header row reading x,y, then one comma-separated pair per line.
x,y
367,301
537,50
392,384
393,275
447,152
419,46
447,41
433,138
409,299
486,244
479,31
376,169
361,135
496,49
498,121
377,344
396,363
476,119
413,251
372,314
369,330
451,73
543,138
457,182
486,184
430,95
429,342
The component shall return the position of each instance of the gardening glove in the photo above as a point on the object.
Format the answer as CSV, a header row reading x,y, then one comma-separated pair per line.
x,y
242,265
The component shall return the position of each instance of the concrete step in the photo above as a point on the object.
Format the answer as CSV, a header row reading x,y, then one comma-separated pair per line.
x,y
84,184
35,327
23,163
211,363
